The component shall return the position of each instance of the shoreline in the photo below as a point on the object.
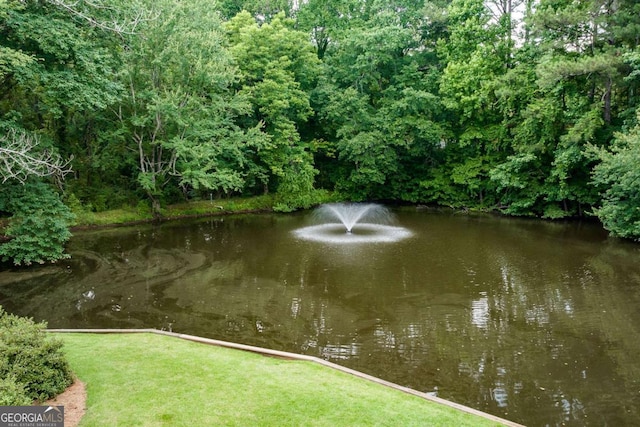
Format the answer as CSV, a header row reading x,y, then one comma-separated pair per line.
x,y
296,357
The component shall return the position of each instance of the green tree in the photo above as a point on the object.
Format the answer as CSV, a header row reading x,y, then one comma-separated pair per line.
x,y
575,51
476,54
180,113
278,69
327,21
56,70
618,177
61,89
53,70
261,10
376,103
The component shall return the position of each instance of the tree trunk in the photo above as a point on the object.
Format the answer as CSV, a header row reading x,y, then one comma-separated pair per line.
x,y
607,101
155,207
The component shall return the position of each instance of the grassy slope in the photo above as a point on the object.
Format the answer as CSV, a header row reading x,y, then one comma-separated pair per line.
x,y
151,380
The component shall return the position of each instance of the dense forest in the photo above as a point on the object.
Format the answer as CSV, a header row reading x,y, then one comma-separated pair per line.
x,y
527,107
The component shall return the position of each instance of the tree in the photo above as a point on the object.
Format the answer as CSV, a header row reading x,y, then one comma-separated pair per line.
x,y
63,83
576,54
618,178
180,112
261,10
278,69
376,104
476,54
50,73
325,21
57,69
120,18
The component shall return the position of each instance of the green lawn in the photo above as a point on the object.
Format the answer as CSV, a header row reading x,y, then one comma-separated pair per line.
x,y
153,380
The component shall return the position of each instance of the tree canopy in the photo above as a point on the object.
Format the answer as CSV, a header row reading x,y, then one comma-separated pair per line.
x,y
526,107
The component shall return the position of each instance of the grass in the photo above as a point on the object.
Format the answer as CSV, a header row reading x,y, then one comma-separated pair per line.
x,y
153,380
111,217
208,207
180,210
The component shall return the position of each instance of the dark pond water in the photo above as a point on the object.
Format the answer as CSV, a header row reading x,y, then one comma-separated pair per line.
x,y
533,321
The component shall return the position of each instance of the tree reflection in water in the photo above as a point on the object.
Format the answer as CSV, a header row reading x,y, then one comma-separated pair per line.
x,y
533,321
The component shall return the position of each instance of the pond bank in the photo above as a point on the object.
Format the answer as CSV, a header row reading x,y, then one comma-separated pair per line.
x,y
302,390
193,209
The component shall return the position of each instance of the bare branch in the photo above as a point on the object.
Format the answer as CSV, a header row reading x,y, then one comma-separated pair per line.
x,y
19,159
115,23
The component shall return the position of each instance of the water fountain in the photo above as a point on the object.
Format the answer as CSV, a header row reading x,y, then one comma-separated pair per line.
x,y
352,223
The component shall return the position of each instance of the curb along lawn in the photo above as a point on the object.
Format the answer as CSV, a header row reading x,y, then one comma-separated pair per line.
x,y
153,380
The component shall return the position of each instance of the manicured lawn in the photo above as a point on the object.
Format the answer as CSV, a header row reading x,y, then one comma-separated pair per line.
x,y
154,380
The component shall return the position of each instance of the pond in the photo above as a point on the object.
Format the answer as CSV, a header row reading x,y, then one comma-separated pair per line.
x,y
537,322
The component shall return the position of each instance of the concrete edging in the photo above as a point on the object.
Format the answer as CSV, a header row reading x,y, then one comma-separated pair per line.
x,y
300,357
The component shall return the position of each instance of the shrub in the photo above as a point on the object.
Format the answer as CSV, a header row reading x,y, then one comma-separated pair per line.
x,y
12,393
39,226
30,360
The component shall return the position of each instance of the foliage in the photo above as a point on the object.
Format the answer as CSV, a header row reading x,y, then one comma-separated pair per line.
x,y
31,362
467,103
221,206
206,206
377,105
57,75
295,189
179,114
39,225
12,393
277,68
618,177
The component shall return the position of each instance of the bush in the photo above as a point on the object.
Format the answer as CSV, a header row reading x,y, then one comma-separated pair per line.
x,y
295,188
31,362
39,226
12,393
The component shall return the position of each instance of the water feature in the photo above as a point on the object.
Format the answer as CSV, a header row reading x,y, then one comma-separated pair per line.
x,y
352,223
534,321
350,214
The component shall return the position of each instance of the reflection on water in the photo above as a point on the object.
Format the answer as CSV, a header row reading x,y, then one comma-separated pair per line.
x,y
536,322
